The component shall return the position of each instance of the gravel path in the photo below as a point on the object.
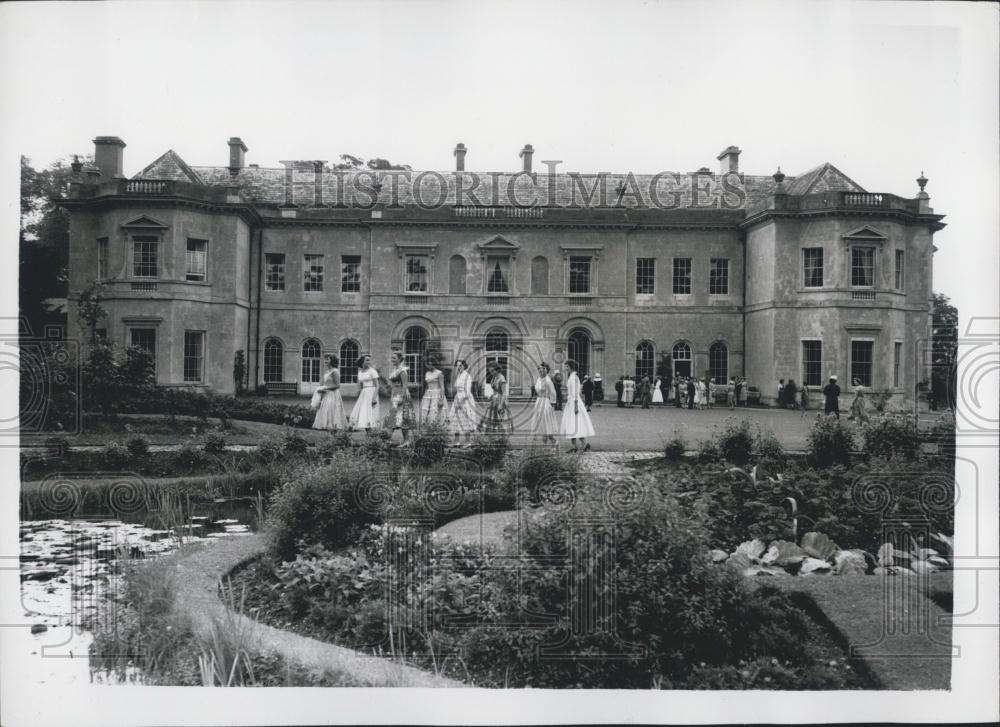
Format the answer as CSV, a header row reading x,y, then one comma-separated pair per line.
x,y
202,568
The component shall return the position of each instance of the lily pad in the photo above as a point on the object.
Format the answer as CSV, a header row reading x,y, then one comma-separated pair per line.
x,y
764,570
740,561
719,556
819,546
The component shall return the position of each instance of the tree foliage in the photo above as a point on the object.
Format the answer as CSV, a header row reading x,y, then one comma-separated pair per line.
x,y
944,347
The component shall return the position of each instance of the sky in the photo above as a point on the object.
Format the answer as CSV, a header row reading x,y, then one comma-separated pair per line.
x,y
883,90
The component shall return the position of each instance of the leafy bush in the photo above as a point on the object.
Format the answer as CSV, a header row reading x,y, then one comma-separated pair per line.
x,y
325,505
489,449
530,472
708,451
377,444
942,434
215,443
116,455
675,447
138,446
294,443
891,435
830,443
769,448
735,442
429,445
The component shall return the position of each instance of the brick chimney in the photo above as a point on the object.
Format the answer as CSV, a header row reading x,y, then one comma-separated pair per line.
x,y
526,154
237,155
460,157
729,160
108,156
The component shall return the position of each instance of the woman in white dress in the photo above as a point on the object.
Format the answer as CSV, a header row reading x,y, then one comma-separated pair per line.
x,y
543,417
575,422
463,416
365,414
330,414
657,392
400,414
699,394
432,405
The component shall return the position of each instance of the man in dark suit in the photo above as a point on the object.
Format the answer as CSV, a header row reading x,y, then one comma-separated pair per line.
x,y
691,388
619,388
831,392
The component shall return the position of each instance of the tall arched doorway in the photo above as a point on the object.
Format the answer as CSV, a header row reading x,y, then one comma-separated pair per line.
x,y
312,352
578,347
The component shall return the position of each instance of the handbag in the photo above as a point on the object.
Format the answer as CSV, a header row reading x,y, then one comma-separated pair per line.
x,y
317,397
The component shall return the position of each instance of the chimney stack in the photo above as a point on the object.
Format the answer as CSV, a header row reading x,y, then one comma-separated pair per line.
x,y
108,156
526,154
237,155
729,160
460,157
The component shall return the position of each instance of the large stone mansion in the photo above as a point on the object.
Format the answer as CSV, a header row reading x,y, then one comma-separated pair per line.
x,y
764,276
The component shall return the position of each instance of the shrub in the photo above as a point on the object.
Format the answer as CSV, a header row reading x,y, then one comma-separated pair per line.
x,y
138,446
735,442
270,450
189,458
215,443
116,455
942,433
708,451
325,505
769,448
489,449
675,447
377,444
530,472
830,443
891,435
294,443
429,445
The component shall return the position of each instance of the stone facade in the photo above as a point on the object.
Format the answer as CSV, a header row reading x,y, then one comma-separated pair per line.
x,y
193,254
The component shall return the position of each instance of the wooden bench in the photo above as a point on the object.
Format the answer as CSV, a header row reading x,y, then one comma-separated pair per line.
x,y
283,388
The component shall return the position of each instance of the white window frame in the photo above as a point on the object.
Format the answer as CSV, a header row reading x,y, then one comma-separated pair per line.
x,y
690,276
284,273
343,263
103,249
582,251
897,364
850,272
309,270
488,271
850,361
711,269
652,261
899,270
802,360
187,260
204,357
146,239
822,261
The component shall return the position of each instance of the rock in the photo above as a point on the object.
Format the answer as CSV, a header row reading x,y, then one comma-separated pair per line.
x,y
850,563
719,556
819,546
752,548
740,561
783,554
39,628
814,566
764,570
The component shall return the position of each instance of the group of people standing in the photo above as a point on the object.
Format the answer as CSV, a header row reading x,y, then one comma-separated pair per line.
x,y
683,391
460,417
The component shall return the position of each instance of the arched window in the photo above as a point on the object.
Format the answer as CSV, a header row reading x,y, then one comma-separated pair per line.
x,y
718,362
539,276
578,348
414,348
274,361
644,361
311,354
456,275
349,352
498,348
682,359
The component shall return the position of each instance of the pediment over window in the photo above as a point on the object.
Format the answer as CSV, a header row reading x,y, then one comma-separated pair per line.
x,y
865,234
143,222
499,244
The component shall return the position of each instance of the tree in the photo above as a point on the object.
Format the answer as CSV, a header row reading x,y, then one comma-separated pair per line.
x,y
944,348
351,163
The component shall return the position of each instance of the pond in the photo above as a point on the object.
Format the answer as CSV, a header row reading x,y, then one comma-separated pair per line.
x,y
69,567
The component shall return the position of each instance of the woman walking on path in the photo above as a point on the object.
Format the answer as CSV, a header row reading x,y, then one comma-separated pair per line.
x,y
463,416
365,414
330,414
576,423
496,419
859,410
400,414
699,394
432,404
544,423
598,389
658,391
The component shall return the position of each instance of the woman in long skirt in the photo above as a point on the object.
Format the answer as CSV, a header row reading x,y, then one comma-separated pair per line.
x,y
462,419
330,414
400,414
859,411
576,423
432,405
496,419
628,392
658,391
365,414
543,417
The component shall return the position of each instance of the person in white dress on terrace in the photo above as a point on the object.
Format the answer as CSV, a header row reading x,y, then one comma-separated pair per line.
x,y
365,414
576,425
432,405
330,414
462,419
544,423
